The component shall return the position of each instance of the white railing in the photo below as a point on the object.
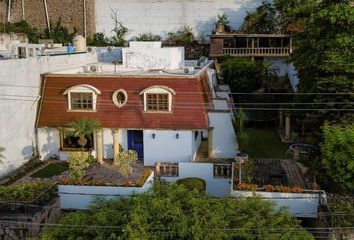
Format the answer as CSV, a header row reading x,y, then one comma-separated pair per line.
x,y
281,51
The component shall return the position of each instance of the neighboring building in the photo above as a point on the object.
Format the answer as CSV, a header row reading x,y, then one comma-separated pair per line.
x,y
155,103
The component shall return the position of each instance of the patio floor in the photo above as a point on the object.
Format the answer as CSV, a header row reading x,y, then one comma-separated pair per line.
x,y
110,172
278,172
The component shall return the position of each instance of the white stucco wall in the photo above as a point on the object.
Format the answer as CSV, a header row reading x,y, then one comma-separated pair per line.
x,y
224,138
80,197
279,64
196,143
299,204
163,16
215,187
293,76
165,147
153,58
108,141
48,142
19,88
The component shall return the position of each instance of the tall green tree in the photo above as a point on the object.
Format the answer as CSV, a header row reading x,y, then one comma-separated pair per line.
x,y
323,55
338,154
82,128
174,212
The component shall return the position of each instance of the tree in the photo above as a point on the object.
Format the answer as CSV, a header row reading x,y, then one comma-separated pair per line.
x,y
323,55
223,20
173,212
338,154
82,128
242,74
119,30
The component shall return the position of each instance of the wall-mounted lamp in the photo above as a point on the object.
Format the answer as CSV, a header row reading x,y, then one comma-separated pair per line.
x,y
177,135
153,135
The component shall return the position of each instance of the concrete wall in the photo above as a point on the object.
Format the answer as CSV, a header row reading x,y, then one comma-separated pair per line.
x,y
224,138
165,147
19,89
153,58
80,197
215,187
293,76
299,204
163,16
196,141
48,142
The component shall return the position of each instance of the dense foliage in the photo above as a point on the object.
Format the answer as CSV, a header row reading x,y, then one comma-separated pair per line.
x,y
148,36
32,33
60,33
183,35
242,74
25,192
79,162
124,161
193,183
338,154
173,212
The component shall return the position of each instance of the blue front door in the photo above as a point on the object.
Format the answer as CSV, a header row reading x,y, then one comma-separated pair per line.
x,y
136,142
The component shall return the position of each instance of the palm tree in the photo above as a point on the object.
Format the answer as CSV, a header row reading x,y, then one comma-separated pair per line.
x,y
240,122
2,149
83,127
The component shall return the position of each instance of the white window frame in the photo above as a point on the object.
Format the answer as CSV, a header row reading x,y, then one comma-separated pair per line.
x,y
157,89
83,88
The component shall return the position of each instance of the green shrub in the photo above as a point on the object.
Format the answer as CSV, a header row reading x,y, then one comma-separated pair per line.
x,y
79,162
242,74
25,192
124,160
98,40
148,36
182,36
193,183
32,33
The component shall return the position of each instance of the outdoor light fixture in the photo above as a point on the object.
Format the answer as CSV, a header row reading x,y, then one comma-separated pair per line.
x,y
153,135
177,135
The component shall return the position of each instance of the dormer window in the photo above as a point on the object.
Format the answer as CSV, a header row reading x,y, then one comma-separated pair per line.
x,y
158,99
82,98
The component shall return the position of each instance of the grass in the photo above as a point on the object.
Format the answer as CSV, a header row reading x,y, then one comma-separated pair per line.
x,y
50,170
264,144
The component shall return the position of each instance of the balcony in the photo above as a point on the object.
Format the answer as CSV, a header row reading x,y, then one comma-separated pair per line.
x,y
257,52
250,45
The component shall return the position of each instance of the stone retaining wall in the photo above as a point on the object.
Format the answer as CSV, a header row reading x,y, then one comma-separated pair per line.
x,y
21,227
70,11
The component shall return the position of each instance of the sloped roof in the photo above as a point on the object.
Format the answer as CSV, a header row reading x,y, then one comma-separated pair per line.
x,y
188,106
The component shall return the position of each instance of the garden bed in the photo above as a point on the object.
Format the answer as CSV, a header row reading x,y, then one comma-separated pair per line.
x,y
52,169
81,196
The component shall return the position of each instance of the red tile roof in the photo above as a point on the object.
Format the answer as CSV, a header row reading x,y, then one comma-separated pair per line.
x,y
53,111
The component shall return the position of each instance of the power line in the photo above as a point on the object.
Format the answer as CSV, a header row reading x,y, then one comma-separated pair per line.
x,y
197,92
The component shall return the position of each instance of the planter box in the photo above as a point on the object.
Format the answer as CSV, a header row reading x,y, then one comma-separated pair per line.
x,y
80,197
302,205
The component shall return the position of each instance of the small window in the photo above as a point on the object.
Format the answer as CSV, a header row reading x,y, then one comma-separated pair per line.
x,y
157,102
120,98
81,101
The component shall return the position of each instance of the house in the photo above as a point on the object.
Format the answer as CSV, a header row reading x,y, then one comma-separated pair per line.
x,y
155,103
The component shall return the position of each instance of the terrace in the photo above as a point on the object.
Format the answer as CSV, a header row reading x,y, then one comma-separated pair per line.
x,y
250,45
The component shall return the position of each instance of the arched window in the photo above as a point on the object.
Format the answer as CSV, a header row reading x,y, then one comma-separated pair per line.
x,y
158,98
82,97
120,98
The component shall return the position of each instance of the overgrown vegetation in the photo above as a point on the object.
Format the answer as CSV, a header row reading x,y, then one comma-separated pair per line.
x,y
193,184
25,192
148,36
242,74
338,154
174,212
32,33
184,35
60,33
